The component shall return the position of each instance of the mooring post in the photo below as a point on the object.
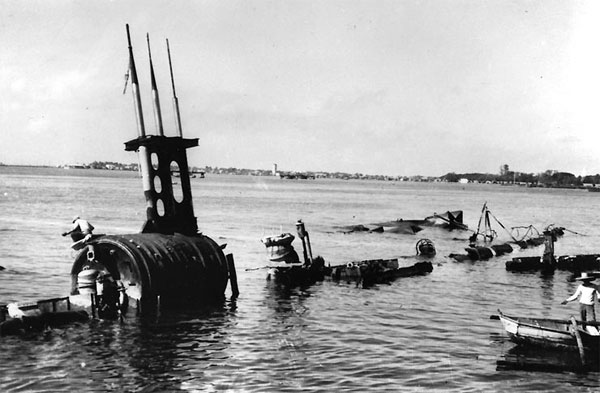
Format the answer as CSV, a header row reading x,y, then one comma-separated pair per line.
x,y
235,292
310,257
578,338
548,257
302,234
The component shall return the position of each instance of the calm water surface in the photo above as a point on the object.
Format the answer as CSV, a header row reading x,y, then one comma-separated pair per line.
x,y
416,334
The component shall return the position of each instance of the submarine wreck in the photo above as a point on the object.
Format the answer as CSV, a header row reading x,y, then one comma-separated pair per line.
x,y
169,263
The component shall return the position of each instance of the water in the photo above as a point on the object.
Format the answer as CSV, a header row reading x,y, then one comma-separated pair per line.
x,y
420,333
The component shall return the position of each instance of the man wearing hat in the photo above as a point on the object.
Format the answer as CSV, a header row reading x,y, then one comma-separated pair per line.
x,y
81,229
587,294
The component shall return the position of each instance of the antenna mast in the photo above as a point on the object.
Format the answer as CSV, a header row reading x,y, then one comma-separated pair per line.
x,y
175,100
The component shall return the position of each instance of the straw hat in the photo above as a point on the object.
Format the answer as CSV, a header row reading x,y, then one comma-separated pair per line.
x,y
585,277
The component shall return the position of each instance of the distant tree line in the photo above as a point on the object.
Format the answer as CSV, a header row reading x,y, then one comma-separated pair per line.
x,y
549,178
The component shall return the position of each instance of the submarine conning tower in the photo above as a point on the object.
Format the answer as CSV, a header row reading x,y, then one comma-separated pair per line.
x,y
169,262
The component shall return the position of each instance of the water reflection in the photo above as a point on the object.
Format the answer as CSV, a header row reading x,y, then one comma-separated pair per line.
x,y
159,353
547,287
531,358
287,303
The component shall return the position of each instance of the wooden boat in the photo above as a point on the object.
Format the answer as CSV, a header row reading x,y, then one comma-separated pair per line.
x,y
535,358
551,333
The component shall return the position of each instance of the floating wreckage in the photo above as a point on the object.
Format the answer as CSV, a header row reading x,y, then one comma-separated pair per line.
x,y
480,242
286,267
451,220
18,318
168,264
548,262
572,263
378,271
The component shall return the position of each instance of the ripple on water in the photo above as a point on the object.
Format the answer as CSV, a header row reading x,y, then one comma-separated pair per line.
x,y
421,333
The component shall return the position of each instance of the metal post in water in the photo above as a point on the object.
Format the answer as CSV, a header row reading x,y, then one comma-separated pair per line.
x,y
310,257
155,98
548,258
175,100
302,234
235,291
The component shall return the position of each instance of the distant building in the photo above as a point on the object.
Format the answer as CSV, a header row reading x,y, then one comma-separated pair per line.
x,y
463,180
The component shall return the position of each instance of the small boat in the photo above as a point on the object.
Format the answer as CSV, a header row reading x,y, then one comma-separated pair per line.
x,y
551,333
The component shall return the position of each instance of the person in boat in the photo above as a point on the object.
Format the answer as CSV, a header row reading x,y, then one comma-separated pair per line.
x,y
81,229
588,296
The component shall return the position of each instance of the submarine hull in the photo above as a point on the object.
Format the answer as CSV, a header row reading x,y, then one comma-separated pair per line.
x,y
158,269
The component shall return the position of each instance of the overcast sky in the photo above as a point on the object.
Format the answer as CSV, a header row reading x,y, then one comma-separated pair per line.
x,y
399,87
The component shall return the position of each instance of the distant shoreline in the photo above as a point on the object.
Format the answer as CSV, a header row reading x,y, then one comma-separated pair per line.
x,y
94,172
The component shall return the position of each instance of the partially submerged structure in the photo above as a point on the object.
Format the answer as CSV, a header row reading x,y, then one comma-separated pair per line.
x,y
483,242
170,263
573,263
285,266
377,271
451,220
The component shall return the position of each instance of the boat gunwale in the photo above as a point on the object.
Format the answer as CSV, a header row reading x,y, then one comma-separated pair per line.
x,y
565,339
565,322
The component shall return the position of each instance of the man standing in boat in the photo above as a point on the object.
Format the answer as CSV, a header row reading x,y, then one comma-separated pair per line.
x,y
81,229
588,296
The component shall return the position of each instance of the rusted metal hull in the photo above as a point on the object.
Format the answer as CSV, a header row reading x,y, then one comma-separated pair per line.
x,y
574,263
377,271
156,268
298,274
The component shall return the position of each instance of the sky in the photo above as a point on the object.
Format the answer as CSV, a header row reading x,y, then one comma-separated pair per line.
x,y
402,87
